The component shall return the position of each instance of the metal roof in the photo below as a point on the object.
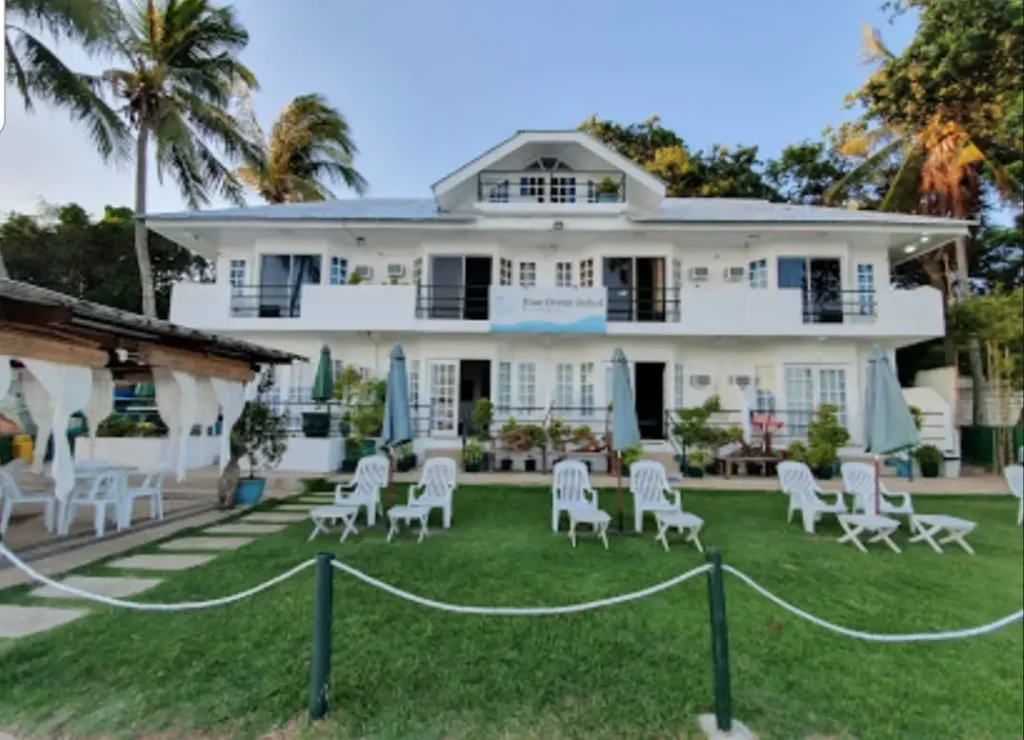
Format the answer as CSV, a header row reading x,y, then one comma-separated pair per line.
x,y
354,209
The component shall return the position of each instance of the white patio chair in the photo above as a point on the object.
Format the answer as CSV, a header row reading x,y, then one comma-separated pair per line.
x,y
1015,480
859,482
649,485
101,494
572,493
437,486
12,495
152,488
798,483
364,489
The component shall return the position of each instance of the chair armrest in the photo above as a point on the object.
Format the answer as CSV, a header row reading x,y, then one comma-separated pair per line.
x,y
837,494
904,497
342,486
676,494
412,494
593,495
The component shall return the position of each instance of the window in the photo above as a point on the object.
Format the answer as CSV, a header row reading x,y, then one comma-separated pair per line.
x,y
527,274
504,272
679,384
417,271
414,384
339,270
866,289
526,383
237,274
563,385
677,274
497,192
587,273
807,388
758,274
764,402
444,394
504,405
832,389
563,274
587,398
563,189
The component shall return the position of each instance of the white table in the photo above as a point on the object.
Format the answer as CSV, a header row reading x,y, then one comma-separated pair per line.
x,y
686,524
927,526
408,514
855,524
345,513
597,518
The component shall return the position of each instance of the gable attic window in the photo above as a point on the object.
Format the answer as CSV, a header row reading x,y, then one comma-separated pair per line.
x,y
551,184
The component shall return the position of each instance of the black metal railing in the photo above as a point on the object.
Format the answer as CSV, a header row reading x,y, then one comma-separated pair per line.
x,y
834,306
266,301
420,415
643,304
468,302
551,187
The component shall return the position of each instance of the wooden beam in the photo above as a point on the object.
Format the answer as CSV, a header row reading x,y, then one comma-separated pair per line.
x,y
37,346
195,362
25,313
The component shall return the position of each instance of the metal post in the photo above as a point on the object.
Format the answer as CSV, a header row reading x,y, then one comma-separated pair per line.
x,y
719,642
320,670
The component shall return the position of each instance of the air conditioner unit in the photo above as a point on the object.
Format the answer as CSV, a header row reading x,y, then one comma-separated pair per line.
x,y
699,274
700,381
741,381
365,272
396,271
734,274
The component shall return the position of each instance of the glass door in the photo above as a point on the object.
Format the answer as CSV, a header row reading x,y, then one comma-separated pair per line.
x,y
444,396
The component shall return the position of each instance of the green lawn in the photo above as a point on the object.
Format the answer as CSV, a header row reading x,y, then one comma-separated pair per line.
x,y
635,671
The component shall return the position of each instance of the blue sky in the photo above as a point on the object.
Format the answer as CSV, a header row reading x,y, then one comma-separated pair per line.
x,y
427,86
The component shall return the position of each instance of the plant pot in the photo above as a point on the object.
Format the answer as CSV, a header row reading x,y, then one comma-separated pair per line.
x,y
348,465
530,465
249,491
405,463
475,467
929,470
755,469
692,472
506,464
607,197
344,428
625,471
825,472
368,447
587,463
316,424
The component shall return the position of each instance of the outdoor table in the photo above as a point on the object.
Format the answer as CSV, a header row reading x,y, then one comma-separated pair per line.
x,y
927,526
688,524
346,513
408,514
882,526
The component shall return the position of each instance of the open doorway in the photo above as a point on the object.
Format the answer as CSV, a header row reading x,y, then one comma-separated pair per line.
x,y
650,399
474,384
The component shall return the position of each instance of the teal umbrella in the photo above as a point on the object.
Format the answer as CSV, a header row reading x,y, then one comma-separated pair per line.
x,y
323,383
888,424
397,428
625,430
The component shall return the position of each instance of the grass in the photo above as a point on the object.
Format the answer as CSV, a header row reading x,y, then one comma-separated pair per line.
x,y
636,671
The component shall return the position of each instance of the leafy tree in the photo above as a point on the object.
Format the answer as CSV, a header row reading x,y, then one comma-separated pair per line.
x,y
310,143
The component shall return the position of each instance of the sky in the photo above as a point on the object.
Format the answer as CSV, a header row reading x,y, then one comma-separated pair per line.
x,y
427,86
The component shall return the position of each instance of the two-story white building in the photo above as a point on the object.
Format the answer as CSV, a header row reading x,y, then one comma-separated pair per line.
x,y
531,263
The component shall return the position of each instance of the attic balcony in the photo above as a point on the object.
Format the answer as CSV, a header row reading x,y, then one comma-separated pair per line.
x,y
532,190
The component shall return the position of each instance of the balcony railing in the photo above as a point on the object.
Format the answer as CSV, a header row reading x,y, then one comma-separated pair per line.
x,y
551,187
464,302
834,306
643,304
266,301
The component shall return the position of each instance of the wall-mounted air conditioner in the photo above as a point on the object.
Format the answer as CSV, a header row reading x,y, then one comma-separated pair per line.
x,y
741,381
396,271
734,274
365,272
700,381
699,274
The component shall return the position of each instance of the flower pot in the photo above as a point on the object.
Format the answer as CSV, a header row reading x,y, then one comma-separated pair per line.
x,y
249,491
607,197
506,464
929,470
316,423
348,465
477,466
405,463
368,447
693,472
825,472
530,465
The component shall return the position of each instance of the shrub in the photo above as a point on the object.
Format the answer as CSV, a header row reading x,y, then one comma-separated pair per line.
x,y
472,453
259,436
632,454
797,452
700,459
482,416
929,455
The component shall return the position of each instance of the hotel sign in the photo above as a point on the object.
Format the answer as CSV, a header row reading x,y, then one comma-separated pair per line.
x,y
548,310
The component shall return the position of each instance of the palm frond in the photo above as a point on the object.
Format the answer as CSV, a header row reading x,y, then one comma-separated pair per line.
x,y
15,72
863,170
904,191
871,47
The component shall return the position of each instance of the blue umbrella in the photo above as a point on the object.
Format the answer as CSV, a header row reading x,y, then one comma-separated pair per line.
x,y
888,424
397,429
625,430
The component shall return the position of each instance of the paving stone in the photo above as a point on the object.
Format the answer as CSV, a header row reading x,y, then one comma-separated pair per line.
x,y
19,621
113,586
243,528
296,507
206,543
160,562
275,517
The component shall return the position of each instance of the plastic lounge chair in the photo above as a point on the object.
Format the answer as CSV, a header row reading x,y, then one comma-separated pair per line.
x,y
152,488
798,483
1015,480
101,495
437,486
649,485
859,482
12,495
572,493
364,489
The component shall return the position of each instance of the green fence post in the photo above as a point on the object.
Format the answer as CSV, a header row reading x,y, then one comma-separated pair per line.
x,y
719,641
320,670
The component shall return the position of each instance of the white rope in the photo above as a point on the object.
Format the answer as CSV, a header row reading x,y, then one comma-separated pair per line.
x,y
874,636
520,611
144,607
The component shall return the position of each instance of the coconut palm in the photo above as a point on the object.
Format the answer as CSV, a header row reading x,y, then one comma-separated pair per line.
x,y
178,77
310,144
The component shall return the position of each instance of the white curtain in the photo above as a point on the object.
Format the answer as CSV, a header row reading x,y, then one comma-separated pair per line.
x,y
37,402
168,401
186,416
101,402
232,396
68,388
5,375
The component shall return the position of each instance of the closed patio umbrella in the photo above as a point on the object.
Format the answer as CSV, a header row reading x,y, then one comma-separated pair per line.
x,y
888,424
397,428
323,383
625,430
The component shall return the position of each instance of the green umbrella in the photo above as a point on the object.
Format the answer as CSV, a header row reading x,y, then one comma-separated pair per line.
x,y
888,424
323,384
625,431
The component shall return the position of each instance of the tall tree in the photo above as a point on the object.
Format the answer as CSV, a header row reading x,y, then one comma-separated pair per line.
x,y
180,74
310,145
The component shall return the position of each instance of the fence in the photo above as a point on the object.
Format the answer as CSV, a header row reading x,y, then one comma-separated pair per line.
x,y
325,564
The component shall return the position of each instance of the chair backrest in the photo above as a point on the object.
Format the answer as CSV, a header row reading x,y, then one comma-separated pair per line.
x,y
438,477
101,485
9,479
371,472
571,480
1015,479
648,481
797,479
155,479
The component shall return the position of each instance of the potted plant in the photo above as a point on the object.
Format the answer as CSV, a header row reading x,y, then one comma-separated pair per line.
x,y
607,191
822,458
797,452
260,437
630,455
352,454
930,458
509,438
367,415
697,463
405,458
558,436
473,457
481,418
533,438
825,435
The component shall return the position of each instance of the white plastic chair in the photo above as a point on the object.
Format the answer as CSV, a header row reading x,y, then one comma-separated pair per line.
x,y
437,483
859,482
798,483
649,485
1015,480
12,495
152,488
101,494
364,489
570,490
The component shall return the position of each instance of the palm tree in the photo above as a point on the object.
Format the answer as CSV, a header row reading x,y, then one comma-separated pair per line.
x,y
310,143
37,73
179,77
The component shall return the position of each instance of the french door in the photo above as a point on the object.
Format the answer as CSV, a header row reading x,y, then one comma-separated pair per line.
x,y
807,388
444,396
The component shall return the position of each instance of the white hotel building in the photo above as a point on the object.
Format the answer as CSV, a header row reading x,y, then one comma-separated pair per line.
x,y
519,276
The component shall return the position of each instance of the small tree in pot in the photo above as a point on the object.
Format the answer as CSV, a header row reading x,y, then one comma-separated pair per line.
x,y
260,437
825,435
930,458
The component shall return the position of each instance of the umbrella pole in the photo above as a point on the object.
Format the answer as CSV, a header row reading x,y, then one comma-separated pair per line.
x,y
618,477
391,473
878,487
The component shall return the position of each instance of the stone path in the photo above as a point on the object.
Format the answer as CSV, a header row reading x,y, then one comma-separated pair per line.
x,y
206,543
296,507
243,528
113,586
274,517
160,562
19,621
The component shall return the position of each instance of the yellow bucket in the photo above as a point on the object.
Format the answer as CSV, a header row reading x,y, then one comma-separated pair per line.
x,y
23,447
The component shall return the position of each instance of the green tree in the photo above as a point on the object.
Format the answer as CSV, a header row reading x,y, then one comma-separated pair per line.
x,y
310,144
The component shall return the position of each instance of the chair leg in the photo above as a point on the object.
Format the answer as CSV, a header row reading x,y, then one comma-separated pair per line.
x,y
99,518
48,517
5,514
554,520
638,520
447,515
